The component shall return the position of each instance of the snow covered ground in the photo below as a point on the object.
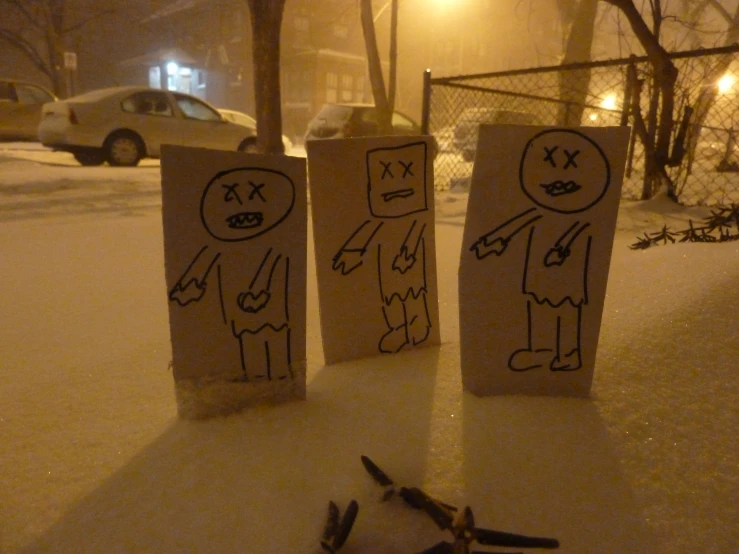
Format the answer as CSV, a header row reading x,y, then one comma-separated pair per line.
x,y
94,459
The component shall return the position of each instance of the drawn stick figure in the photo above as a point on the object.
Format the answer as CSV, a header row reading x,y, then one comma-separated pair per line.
x,y
564,173
396,189
239,205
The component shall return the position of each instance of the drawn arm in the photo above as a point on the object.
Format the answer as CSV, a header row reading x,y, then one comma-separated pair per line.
x,y
496,241
191,286
407,256
562,248
259,292
349,256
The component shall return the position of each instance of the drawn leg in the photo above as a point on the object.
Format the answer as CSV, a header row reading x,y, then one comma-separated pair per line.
x,y
255,356
539,351
568,339
417,317
397,335
278,346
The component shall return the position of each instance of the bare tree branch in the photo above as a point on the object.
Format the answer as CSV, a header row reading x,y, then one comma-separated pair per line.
x,y
716,5
83,22
27,48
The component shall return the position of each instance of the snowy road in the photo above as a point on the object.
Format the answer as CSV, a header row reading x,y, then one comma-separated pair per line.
x,y
37,183
94,460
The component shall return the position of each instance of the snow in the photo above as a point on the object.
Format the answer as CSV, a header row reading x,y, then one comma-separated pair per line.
x,y
94,458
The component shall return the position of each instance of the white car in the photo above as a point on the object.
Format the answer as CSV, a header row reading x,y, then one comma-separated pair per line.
x,y
121,125
240,118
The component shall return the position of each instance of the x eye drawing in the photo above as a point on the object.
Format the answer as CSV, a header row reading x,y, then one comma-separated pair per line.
x,y
231,193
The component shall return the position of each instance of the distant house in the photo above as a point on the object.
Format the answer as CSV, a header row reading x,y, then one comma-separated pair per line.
x,y
203,47
199,47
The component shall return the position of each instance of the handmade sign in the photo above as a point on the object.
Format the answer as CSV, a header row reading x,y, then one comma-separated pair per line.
x,y
235,261
535,257
373,219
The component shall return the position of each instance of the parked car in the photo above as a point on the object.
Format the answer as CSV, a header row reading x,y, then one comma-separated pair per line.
x,y
355,120
468,126
20,109
122,125
240,118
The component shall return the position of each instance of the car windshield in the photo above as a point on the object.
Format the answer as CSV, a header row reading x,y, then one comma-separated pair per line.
x,y
195,109
334,112
239,118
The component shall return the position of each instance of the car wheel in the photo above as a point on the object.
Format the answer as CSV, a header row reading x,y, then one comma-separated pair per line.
x,y
89,157
249,145
124,149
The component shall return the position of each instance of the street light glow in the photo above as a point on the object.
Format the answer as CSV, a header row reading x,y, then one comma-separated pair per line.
x,y
609,102
726,83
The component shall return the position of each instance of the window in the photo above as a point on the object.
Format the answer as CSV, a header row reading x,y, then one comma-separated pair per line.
x,y
301,24
359,89
148,103
301,36
29,94
332,83
155,77
347,86
195,109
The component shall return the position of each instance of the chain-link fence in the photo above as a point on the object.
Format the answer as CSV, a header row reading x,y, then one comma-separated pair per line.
x,y
705,159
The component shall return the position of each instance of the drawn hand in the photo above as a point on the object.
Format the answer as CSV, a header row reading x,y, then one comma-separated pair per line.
x,y
191,292
403,261
484,246
347,261
251,303
556,256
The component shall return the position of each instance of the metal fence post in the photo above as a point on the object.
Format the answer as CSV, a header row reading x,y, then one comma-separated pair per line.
x,y
426,106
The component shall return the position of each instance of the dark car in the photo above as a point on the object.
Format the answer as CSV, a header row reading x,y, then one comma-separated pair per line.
x,y
355,120
20,109
468,126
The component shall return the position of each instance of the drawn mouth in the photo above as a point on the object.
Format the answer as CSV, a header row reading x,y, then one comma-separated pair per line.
x,y
560,188
400,193
245,220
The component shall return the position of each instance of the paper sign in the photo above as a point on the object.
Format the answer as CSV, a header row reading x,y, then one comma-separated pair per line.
x,y
535,256
235,229
373,219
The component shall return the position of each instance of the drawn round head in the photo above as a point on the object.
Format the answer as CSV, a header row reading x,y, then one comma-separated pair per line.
x,y
563,170
244,203
397,180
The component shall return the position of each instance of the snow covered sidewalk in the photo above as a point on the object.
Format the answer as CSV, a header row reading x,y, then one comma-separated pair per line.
x,y
94,459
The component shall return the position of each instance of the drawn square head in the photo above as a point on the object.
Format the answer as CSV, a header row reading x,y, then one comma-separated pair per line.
x,y
397,180
243,203
564,171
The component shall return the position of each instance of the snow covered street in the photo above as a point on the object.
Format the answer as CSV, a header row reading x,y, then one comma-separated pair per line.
x,y
94,459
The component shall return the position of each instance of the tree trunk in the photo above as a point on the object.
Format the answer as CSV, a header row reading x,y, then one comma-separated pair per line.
x,y
574,84
393,76
375,68
664,76
266,20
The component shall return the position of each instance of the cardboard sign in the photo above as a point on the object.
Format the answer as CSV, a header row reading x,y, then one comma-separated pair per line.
x,y
235,231
535,257
373,219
